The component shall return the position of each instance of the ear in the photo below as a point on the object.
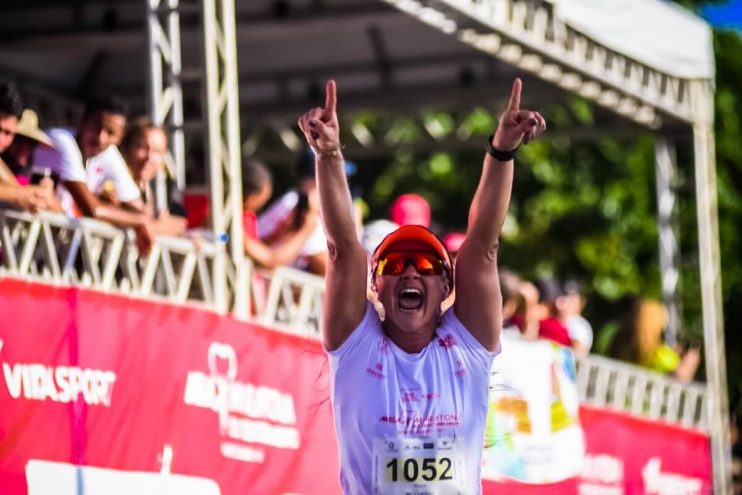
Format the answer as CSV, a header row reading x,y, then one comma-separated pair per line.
x,y
446,288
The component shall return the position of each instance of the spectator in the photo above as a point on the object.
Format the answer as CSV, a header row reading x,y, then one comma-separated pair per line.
x,y
86,158
528,312
40,195
512,301
374,232
33,198
10,111
285,216
144,147
257,187
639,341
549,325
570,307
453,242
407,209
410,209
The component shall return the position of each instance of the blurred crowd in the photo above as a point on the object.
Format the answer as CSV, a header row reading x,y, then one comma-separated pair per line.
x,y
105,165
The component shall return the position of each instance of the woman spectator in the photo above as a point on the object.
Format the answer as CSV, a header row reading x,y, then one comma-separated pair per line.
x,y
639,340
144,147
257,188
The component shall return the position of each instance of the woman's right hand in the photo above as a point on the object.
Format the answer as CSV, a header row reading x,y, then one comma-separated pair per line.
x,y
320,125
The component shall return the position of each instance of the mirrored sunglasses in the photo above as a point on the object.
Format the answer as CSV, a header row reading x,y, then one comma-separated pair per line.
x,y
424,263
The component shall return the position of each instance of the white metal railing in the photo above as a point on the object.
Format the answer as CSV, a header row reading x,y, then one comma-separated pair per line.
x,y
617,385
294,302
56,249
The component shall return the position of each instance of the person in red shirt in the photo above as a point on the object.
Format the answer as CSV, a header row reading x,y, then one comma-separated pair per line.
x,y
550,326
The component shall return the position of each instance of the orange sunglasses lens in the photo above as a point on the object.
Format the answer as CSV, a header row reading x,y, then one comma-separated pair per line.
x,y
395,263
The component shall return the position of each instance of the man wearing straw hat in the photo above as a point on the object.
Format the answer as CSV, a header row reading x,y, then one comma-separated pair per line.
x,y
17,155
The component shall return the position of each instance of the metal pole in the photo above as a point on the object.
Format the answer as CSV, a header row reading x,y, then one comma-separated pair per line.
x,y
224,153
709,259
664,154
240,284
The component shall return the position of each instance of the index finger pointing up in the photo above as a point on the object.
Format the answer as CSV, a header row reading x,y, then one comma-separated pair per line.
x,y
514,103
330,97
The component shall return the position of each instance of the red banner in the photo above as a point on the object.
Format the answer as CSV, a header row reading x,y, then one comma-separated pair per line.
x,y
91,379
631,456
100,389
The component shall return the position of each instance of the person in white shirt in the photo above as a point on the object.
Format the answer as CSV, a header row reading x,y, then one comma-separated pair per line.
x,y
409,387
285,216
570,306
144,148
87,157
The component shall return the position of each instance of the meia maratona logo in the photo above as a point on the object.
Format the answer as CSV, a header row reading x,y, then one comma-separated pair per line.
x,y
35,381
659,482
249,415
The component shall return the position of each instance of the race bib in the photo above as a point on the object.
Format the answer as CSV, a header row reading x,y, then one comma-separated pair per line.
x,y
417,466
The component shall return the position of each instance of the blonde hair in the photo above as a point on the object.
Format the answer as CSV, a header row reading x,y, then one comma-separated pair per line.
x,y
650,321
639,335
138,128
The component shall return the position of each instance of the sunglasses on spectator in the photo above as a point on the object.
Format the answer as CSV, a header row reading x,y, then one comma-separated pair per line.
x,y
396,263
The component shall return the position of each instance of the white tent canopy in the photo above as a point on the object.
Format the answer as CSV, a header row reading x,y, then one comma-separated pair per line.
x,y
659,34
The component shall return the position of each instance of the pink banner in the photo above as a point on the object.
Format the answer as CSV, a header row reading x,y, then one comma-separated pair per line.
x,y
633,456
99,380
99,389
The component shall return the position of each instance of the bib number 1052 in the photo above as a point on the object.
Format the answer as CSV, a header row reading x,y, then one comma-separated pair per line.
x,y
414,469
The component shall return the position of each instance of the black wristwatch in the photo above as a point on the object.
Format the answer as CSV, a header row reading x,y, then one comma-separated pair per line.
x,y
499,155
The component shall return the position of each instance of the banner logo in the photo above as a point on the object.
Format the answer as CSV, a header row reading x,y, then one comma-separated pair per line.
x,y
39,382
657,482
250,416
602,474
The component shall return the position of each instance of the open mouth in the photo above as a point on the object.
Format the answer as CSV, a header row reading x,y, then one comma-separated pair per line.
x,y
410,299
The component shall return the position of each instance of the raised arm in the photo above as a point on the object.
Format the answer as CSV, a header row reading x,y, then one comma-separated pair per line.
x,y
344,301
285,251
478,299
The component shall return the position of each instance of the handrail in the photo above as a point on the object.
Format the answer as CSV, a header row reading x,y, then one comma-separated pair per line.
x,y
294,302
605,382
53,248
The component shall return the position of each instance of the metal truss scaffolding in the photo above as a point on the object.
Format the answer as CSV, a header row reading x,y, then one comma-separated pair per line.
x,y
165,91
224,151
668,236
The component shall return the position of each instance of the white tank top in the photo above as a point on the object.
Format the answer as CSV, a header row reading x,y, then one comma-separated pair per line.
x,y
410,423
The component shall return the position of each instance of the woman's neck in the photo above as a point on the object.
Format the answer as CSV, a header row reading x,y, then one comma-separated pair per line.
x,y
412,342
